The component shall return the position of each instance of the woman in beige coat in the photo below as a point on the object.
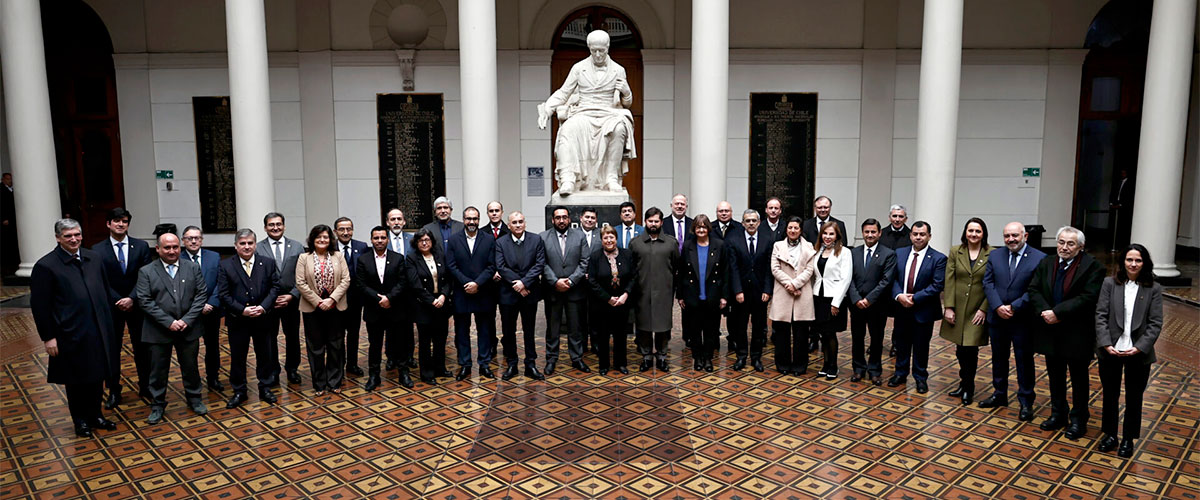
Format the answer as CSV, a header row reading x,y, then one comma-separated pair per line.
x,y
964,304
791,307
323,280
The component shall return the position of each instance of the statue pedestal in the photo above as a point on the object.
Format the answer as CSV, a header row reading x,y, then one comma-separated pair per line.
x,y
606,203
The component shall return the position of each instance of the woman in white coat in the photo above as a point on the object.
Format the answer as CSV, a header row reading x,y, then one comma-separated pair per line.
x,y
791,307
831,279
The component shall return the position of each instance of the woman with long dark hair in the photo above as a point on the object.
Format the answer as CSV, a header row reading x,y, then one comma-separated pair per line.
x,y
323,278
791,306
964,305
429,281
1129,317
832,273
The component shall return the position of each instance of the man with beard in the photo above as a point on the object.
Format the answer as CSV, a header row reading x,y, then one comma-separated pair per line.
x,y
654,256
566,263
470,257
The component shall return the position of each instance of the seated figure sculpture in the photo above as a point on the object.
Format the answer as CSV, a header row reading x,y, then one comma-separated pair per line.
x,y
595,138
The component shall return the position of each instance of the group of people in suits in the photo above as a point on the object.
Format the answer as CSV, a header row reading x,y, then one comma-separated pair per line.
x,y
599,284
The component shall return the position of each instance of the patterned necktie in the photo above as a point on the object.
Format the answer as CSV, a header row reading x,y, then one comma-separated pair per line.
x,y
246,265
679,233
562,244
278,256
121,255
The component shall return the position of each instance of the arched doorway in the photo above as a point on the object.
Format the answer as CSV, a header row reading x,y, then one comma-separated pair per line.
x,y
1110,116
83,107
570,46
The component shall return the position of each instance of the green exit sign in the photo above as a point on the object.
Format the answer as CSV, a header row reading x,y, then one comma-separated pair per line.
x,y
1031,172
164,174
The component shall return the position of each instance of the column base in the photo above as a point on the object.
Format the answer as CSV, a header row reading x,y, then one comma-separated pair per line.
x,y
25,270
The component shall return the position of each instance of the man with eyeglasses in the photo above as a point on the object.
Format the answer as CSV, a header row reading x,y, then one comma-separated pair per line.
x,y
210,317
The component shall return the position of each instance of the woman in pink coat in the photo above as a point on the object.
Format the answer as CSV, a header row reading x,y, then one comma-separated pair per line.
x,y
791,308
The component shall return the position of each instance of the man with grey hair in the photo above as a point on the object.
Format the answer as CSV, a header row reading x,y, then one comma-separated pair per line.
x,y
71,303
247,286
1064,291
443,227
895,234
1011,320
750,251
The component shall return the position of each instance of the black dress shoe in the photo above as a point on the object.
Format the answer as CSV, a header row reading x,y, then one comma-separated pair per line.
x,y
354,370
645,366
156,415
602,371
391,365
463,373
429,380
967,397
581,366
103,424
406,379
662,365
1126,449
1107,444
532,372
697,365
623,369
1055,422
372,382
235,401
957,392
895,381
994,401
1075,431
509,372
739,364
83,430
444,373
293,376
215,385
268,396
758,365
1026,414
486,372
922,387
113,400
550,367
876,380
708,366
858,376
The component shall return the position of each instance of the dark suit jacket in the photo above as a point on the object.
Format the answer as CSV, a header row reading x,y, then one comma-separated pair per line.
x,y
138,254
753,270
421,285
895,239
721,280
210,263
287,271
165,299
668,227
478,267
357,248
1074,336
395,281
872,283
72,302
487,228
524,263
601,287
1147,318
930,280
780,231
810,231
734,226
237,291
636,231
1006,288
435,228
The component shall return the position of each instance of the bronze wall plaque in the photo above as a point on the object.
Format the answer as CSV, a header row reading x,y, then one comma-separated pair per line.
x,y
412,154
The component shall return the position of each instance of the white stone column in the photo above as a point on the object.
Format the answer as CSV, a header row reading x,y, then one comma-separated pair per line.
x,y
710,105
480,104
937,119
1164,122
30,134
250,110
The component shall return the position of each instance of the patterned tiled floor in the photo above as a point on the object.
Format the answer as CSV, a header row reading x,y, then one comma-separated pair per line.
x,y
682,434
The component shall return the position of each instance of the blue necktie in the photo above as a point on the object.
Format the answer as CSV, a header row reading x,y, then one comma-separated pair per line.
x,y
868,264
121,255
171,270
1012,262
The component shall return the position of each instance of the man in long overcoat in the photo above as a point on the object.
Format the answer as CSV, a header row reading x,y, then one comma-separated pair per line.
x,y
654,257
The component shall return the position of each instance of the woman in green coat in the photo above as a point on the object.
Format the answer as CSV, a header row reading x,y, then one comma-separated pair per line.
x,y
965,304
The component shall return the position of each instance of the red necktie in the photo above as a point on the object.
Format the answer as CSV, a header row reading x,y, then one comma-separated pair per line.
x,y
912,274
495,232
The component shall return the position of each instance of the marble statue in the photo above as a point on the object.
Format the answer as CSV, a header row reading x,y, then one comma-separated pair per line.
x,y
595,138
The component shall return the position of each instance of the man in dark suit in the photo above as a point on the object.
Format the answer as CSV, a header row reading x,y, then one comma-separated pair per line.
x,y
210,316
122,256
916,288
895,235
351,318
1064,292
589,222
172,295
750,250
1006,284
283,252
71,302
520,260
629,228
381,278
471,259
724,223
822,206
399,340
496,225
247,286
10,253
566,263
678,224
874,267
775,222
443,227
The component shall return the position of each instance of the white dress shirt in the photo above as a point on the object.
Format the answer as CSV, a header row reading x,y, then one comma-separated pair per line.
x,y
1125,343
471,242
380,264
918,256
869,251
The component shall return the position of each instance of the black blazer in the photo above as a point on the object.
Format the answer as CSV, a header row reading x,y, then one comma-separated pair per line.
x,y
872,283
420,284
600,278
1147,319
525,263
478,267
810,231
72,302
668,226
1074,336
734,226
720,277
137,255
236,291
754,270
395,280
